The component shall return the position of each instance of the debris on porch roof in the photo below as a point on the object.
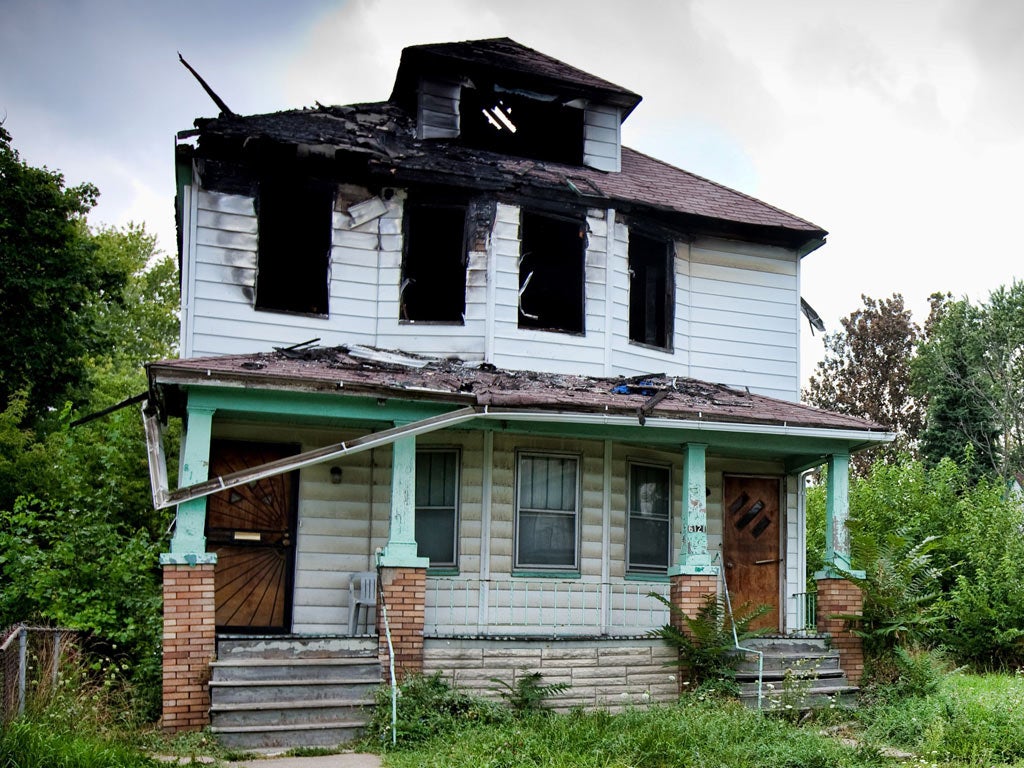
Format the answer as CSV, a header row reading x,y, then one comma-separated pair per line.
x,y
384,373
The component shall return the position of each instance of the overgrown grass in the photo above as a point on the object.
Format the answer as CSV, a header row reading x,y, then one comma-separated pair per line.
x,y
974,719
27,743
702,733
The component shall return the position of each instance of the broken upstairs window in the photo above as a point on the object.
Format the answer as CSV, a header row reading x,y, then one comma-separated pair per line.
x,y
531,125
551,273
294,245
433,285
651,291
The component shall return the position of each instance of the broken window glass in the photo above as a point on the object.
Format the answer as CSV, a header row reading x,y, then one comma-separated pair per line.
x,y
524,125
551,273
433,285
294,220
651,291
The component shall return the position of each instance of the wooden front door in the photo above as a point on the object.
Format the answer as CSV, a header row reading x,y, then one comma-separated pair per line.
x,y
751,546
251,528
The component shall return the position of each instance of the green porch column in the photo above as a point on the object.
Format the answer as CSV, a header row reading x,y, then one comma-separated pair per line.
x,y
837,513
188,545
694,557
400,551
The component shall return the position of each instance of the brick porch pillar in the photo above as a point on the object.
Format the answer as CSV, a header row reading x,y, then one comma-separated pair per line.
x,y
189,645
839,596
403,591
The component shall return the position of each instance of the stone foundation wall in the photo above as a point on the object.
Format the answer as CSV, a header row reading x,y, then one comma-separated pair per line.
x,y
606,673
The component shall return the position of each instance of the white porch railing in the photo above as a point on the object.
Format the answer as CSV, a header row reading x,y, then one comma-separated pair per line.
x,y
540,606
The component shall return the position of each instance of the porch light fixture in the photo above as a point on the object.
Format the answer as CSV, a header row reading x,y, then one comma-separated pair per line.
x,y
335,475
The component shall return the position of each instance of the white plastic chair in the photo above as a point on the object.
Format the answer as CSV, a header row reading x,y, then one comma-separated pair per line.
x,y
362,594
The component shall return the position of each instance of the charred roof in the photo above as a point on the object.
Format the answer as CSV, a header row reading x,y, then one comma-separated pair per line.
x,y
501,59
382,373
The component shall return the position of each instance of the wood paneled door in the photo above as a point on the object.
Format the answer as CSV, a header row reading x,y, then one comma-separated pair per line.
x,y
252,530
751,544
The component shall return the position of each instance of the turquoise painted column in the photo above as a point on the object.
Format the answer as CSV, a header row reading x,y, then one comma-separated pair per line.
x,y
188,545
694,557
837,514
400,551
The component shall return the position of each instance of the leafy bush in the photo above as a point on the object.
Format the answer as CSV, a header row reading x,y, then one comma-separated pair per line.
x,y
706,648
428,706
526,695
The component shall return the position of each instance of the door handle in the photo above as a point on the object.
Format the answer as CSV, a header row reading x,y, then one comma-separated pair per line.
x,y
768,562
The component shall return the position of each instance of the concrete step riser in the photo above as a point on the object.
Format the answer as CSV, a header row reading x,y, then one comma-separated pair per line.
x,y
304,716
845,700
800,664
323,737
295,648
264,673
809,686
260,694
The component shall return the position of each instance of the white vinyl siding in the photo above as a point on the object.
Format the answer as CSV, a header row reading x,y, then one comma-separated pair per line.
x,y
736,322
602,137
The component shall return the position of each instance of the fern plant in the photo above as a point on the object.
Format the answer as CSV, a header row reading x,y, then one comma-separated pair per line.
x,y
526,694
706,647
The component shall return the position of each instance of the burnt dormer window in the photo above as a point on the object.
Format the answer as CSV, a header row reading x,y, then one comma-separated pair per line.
x,y
521,123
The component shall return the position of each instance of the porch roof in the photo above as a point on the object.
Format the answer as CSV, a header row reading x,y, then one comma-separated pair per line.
x,y
369,372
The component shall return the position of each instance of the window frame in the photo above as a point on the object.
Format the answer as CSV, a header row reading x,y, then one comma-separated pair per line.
x,y
414,252
518,563
455,508
648,569
668,299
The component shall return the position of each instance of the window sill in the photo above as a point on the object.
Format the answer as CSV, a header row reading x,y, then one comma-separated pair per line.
x,y
545,574
449,571
658,578
653,347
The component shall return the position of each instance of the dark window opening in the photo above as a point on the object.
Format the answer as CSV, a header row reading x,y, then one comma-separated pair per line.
x,y
514,124
433,285
551,274
651,291
294,245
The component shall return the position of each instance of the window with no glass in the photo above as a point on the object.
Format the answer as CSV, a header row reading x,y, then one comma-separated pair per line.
x,y
437,506
650,503
535,125
294,221
551,273
547,512
433,285
651,291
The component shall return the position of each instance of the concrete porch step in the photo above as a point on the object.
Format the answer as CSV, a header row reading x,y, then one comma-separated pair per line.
x,y
797,672
290,691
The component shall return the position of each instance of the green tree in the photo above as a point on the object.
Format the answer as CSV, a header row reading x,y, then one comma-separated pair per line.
x,y
79,537
866,373
970,372
50,281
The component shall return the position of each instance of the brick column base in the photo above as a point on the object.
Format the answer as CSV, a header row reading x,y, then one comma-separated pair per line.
x,y
190,644
689,592
403,591
839,596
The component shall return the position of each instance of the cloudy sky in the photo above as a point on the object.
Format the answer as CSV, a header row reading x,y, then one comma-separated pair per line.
x,y
897,125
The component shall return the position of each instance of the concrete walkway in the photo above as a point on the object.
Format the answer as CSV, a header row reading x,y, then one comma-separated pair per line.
x,y
341,760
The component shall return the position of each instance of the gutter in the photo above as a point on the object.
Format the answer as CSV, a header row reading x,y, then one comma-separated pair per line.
x,y
163,497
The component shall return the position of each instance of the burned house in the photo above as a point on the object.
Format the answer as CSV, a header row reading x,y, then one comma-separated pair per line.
x,y
550,376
